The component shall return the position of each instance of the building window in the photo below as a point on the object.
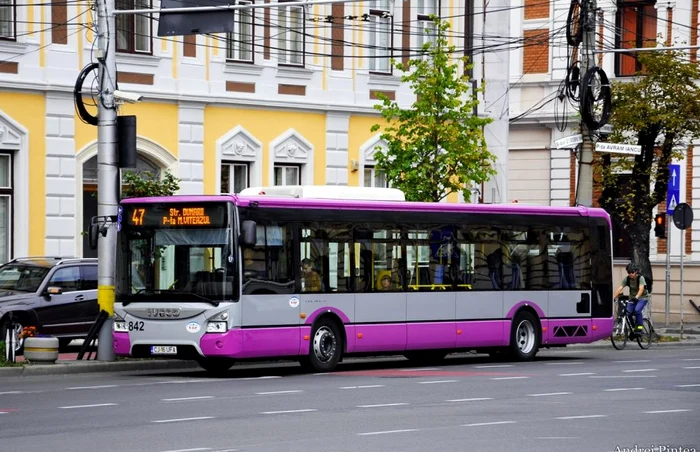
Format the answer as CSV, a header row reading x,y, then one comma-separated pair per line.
x,y
427,32
287,175
291,35
380,38
7,19
240,42
234,177
636,21
5,207
375,178
134,31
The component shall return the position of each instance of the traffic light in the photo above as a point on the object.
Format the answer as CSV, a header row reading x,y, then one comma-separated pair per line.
x,y
660,226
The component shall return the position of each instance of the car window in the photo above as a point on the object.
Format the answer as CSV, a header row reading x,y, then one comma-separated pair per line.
x,y
67,278
89,281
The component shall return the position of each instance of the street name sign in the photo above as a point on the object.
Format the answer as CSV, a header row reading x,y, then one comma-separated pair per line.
x,y
616,148
569,142
673,194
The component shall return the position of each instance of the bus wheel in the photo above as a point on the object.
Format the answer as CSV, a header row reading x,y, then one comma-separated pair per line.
x,y
215,365
326,346
523,337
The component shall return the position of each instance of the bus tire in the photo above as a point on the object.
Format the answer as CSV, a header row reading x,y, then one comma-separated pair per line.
x,y
216,365
326,347
524,340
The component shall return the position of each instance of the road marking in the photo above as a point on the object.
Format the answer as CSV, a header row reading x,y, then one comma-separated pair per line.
x,y
623,389
549,394
184,419
306,410
488,423
696,367
475,399
509,378
266,377
179,399
580,374
563,363
4,412
11,392
361,387
436,382
582,417
87,406
91,387
419,369
666,411
688,386
491,366
292,391
382,405
633,361
640,370
190,450
690,359
557,437
623,376
388,432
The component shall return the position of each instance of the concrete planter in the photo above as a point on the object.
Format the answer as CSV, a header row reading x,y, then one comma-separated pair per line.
x,y
41,350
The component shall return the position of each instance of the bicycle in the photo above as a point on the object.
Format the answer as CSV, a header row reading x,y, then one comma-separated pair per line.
x,y
624,328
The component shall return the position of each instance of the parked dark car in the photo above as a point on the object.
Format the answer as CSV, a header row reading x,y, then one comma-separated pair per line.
x,y
56,295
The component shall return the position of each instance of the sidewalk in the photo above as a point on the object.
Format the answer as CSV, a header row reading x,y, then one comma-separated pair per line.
x,y
68,364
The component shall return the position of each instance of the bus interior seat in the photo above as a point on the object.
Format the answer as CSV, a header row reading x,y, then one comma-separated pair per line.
x,y
565,263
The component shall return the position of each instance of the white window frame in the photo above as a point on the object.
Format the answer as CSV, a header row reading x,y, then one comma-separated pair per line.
x,y
290,41
424,9
380,36
230,168
372,175
240,43
141,26
7,192
8,26
285,169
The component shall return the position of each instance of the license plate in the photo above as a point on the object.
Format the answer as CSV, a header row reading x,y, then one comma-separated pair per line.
x,y
163,350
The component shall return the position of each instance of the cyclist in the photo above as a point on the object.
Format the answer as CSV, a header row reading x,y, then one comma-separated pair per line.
x,y
638,294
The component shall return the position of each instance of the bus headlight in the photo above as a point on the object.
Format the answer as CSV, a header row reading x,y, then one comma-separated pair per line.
x,y
119,325
218,323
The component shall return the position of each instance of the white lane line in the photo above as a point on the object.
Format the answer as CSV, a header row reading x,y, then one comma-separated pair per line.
x,y
11,392
582,417
488,423
4,412
688,386
361,387
623,389
196,449
436,382
509,378
386,432
87,406
266,377
580,374
91,387
184,419
380,405
180,399
690,359
475,399
549,394
666,411
623,376
640,370
633,361
696,367
419,369
306,410
292,391
321,374
557,437
491,366
563,363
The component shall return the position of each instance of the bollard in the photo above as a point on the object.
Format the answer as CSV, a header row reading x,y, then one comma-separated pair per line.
x,y
10,339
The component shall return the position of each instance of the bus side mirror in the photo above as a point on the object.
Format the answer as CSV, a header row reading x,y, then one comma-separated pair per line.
x,y
248,233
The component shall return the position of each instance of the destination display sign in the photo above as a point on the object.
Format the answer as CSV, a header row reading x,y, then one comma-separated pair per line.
x,y
171,215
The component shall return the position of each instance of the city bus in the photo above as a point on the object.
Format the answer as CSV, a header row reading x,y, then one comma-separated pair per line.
x,y
317,274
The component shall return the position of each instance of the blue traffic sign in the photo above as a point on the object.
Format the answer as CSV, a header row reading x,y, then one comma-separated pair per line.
x,y
674,188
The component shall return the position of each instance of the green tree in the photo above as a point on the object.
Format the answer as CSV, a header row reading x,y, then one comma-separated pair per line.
x,y
144,183
660,111
437,146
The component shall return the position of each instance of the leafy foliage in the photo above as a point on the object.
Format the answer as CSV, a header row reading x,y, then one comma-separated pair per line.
x,y
139,184
660,111
437,146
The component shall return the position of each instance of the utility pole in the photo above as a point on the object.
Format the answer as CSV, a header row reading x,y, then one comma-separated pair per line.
x,y
107,171
585,183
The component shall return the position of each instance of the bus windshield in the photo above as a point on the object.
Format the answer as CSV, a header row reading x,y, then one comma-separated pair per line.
x,y
165,255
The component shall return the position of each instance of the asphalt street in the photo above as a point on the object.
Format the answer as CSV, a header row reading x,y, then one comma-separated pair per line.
x,y
583,399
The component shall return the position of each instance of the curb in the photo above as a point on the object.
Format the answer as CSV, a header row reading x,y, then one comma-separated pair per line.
x,y
75,367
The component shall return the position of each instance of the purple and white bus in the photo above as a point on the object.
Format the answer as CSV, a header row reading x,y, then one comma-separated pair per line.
x,y
295,273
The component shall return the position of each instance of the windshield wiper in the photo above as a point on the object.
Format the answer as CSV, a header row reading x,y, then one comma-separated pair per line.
x,y
171,291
